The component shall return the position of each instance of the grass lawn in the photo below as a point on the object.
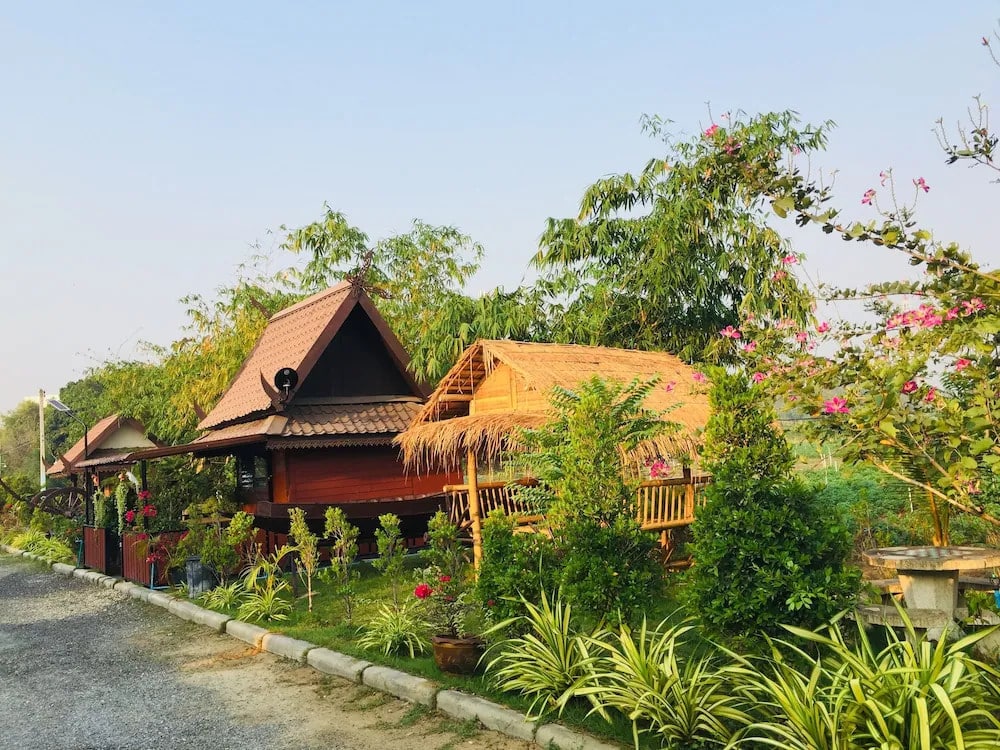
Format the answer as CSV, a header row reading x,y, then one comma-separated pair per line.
x,y
326,626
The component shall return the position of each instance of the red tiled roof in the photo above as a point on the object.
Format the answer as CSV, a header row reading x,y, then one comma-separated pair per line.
x,y
350,419
96,435
286,342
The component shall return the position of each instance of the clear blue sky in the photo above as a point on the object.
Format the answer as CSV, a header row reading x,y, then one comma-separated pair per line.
x,y
145,146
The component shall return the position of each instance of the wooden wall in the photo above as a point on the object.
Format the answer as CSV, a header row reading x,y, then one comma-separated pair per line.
x,y
503,390
339,475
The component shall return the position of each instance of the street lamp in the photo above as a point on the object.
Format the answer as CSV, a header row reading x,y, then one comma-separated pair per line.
x,y
61,407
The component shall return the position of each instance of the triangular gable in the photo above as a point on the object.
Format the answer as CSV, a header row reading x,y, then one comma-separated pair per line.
x,y
111,433
297,337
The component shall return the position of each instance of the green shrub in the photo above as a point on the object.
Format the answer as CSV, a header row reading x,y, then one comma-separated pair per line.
x,y
765,550
224,597
394,629
514,567
343,550
391,550
307,550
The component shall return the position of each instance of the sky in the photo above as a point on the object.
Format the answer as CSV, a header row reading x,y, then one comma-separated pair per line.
x,y
146,148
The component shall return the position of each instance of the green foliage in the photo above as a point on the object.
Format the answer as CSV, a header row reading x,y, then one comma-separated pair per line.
x,y
50,549
845,693
264,587
446,593
393,630
641,675
222,548
549,663
344,549
391,550
665,258
224,597
766,552
306,548
514,567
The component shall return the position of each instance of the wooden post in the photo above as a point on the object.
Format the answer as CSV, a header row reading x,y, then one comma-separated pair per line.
x,y
477,522
688,493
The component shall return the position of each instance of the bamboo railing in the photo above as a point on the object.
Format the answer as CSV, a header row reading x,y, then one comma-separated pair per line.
x,y
661,504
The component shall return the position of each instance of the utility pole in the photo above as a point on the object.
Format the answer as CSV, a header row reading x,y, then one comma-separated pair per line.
x,y
41,438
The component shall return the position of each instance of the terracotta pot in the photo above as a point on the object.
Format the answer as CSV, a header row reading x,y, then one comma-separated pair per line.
x,y
457,655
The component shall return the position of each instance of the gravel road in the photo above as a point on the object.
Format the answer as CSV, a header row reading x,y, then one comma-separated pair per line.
x,y
85,667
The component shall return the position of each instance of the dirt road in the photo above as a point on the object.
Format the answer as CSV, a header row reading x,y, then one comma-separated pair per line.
x,y
85,667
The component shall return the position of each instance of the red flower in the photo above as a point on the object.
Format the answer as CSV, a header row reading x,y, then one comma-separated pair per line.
x,y
144,495
149,511
422,591
710,131
444,579
921,185
909,386
142,536
130,516
961,363
490,602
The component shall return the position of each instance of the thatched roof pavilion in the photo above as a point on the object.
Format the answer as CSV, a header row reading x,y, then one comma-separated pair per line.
x,y
497,387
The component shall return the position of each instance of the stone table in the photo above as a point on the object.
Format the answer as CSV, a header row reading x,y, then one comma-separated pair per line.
x,y
929,575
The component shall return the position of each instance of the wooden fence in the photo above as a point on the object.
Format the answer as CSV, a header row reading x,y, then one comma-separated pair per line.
x,y
661,504
136,548
100,550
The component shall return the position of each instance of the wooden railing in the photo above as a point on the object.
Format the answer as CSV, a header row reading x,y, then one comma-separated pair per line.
x,y
660,503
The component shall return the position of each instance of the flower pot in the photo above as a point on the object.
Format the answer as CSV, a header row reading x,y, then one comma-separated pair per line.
x,y
200,578
457,655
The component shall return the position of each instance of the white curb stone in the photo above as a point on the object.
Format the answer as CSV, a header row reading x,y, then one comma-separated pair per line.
x,y
290,648
487,713
160,599
108,582
244,631
193,613
333,662
63,569
81,573
400,684
141,593
555,735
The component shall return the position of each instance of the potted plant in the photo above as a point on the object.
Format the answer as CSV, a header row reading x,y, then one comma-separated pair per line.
x,y
445,590
214,545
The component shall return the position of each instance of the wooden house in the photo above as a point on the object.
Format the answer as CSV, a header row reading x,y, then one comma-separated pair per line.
x,y
498,387
312,414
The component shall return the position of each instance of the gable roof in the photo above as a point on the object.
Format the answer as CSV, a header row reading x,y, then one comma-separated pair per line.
x,y
444,430
296,337
97,436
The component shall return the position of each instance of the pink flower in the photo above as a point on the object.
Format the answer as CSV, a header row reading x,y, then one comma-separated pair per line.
x,y
710,131
882,177
951,314
973,305
790,260
730,146
909,386
144,495
669,387
730,333
823,327
129,516
444,579
972,487
758,377
921,184
929,321
866,199
802,337
778,275
835,405
699,377
931,395
422,591
659,468
961,363
749,347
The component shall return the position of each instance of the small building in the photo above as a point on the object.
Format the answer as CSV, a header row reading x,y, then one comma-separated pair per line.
x,y
312,414
498,387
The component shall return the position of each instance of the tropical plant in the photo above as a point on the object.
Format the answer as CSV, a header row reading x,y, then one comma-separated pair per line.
x,y
549,663
640,675
445,583
391,550
394,629
766,551
224,597
343,550
264,585
306,550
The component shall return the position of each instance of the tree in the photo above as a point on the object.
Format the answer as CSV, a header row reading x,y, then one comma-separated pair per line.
x,y
666,258
766,552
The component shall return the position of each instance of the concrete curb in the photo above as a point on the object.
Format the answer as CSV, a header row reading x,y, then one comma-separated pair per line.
x,y
333,662
244,631
490,715
290,648
385,679
401,684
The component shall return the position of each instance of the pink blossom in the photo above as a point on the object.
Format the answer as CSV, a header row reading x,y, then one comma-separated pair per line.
x,y
669,387
802,337
929,321
961,363
973,488
699,377
909,386
779,275
866,199
730,333
758,377
659,469
712,130
931,395
796,150
973,305
951,314
835,405
129,516
823,327
749,347
730,146
921,184
790,260
882,177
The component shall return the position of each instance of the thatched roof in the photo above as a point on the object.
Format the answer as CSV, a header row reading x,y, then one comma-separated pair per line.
x,y
443,430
